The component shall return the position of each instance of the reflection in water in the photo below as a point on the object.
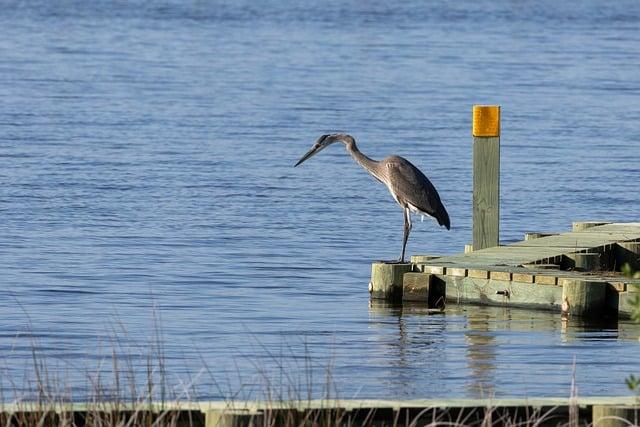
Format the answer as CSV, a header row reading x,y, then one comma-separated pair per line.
x,y
417,346
157,172
481,352
576,328
490,351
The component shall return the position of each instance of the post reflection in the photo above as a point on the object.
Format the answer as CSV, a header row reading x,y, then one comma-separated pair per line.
x,y
481,353
474,350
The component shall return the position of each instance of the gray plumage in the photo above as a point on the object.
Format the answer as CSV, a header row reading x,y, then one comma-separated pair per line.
x,y
407,184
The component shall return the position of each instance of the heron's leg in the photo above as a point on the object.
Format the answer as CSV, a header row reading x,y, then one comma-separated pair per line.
x,y
407,229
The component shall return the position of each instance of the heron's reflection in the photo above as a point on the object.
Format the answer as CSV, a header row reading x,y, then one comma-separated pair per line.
x,y
412,350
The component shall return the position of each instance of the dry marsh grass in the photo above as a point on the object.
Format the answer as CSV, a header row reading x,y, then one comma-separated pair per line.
x,y
118,394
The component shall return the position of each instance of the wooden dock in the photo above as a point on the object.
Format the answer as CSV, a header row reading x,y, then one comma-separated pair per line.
x,y
576,272
575,411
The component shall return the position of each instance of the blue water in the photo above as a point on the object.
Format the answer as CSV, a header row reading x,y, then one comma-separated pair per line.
x,y
149,205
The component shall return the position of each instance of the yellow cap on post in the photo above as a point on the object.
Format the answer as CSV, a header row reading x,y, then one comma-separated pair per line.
x,y
486,120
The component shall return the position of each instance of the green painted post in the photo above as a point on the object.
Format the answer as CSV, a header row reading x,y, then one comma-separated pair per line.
x,y
486,176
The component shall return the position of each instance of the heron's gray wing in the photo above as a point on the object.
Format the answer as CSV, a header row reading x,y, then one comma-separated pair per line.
x,y
410,185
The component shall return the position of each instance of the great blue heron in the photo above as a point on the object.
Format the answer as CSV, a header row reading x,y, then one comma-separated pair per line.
x,y
407,184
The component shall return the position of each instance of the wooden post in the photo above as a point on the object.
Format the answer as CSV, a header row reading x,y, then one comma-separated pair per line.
x,y
615,416
486,176
232,418
415,287
387,278
584,297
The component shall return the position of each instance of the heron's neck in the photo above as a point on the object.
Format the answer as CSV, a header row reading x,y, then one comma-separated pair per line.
x,y
368,164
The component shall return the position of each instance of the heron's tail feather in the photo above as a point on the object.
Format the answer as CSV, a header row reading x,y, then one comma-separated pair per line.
x,y
439,213
443,217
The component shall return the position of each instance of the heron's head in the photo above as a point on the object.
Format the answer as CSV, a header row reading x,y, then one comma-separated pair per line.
x,y
323,142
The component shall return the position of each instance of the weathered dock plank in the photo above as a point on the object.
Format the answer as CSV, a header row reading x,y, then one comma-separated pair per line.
x,y
537,250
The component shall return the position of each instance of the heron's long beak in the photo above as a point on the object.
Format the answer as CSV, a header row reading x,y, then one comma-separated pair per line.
x,y
317,147
310,153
